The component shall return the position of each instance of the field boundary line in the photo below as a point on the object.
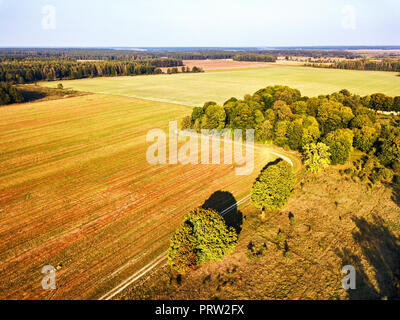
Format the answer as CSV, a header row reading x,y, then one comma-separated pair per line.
x,y
136,276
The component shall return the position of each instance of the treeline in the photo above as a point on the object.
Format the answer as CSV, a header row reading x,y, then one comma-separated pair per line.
x,y
72,54
199,55
184,70
255,57
20,71
312,53
225,54
363,64
283,116
75,54
9,94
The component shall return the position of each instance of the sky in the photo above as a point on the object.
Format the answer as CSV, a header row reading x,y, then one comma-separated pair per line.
x,y
199,23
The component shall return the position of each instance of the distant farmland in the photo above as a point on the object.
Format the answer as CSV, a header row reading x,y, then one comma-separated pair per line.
x,y
76,192
195,89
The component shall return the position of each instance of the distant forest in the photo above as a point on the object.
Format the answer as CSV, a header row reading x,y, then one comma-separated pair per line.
x,y
18,68
255,57
364,64
189,54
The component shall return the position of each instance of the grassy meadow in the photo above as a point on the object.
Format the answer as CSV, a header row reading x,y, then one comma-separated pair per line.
x,y
335,222
76,192
195,89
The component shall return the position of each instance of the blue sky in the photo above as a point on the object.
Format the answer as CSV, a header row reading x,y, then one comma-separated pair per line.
x,y
198,23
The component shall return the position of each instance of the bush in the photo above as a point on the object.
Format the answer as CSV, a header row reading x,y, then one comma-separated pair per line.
x,y
256,251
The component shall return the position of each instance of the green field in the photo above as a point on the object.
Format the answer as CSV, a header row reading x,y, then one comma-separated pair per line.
x,y
195,89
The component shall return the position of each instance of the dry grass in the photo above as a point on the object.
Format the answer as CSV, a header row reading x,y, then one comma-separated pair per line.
x,y
76,192
336,222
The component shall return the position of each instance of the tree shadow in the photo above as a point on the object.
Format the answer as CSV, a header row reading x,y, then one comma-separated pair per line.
x,y
220,201
272,163
381,249
30,95
364,288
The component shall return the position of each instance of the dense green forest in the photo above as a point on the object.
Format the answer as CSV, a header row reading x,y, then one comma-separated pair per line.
x,y
255,57
9,94
32,69
364,64
283,116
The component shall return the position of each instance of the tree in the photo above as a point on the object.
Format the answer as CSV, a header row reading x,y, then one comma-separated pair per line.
x,y
332,116
299,107
214,117
273,187
317,156
302,131
264,132
381,102
389,145
243,117
282,110
361,121
203,237
281,133
197,113
207,104
340,144
186,123
365,138
9,94
396,104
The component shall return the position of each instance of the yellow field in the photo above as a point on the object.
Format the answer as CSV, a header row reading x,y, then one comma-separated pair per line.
x,y
76,192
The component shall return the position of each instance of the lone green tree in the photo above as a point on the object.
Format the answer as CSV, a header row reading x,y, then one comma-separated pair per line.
x,y
203,237
317,156
273,187
340,143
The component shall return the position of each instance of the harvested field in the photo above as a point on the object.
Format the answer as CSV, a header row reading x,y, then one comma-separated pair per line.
x,y
221,64
77,193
